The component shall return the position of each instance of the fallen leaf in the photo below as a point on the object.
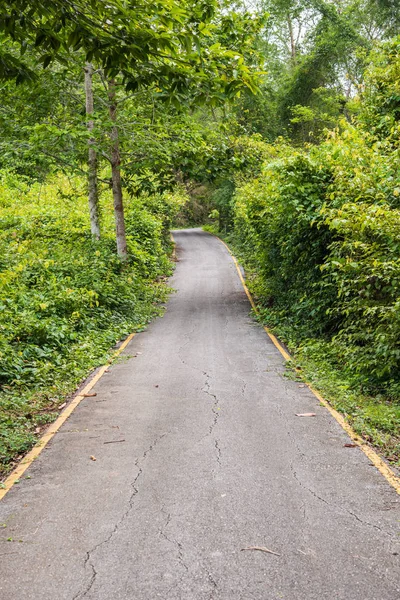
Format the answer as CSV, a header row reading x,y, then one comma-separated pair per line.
x,y
306,415
93,458
91,395
261,549
350,445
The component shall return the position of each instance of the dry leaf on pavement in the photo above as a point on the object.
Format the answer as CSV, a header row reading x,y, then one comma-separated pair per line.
x,y
261,549
306,415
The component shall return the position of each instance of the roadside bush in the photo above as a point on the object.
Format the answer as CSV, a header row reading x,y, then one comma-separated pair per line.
x,y
244,160
277,222
322,231
363,268
380,109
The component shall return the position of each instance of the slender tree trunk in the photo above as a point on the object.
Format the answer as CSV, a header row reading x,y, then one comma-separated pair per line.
x,y
292,40
93,196
116,175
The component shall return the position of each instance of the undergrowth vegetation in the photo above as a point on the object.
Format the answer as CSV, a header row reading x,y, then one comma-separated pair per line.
x,y
66,299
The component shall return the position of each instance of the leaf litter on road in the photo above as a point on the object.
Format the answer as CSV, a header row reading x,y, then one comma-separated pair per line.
x,y
261,549
306,414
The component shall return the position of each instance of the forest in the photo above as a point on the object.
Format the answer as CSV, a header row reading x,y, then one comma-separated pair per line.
x,y
275,124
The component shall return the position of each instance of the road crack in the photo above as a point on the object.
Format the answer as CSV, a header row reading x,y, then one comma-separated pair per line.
x,y
88,563
216,414
206,390
340,511
174,542
218,449
214,585
301,454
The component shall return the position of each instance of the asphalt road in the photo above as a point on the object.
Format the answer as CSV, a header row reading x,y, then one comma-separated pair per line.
x,y
199,454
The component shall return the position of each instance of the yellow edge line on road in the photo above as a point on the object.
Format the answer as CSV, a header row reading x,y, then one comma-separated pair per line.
x,y
17,473
375,459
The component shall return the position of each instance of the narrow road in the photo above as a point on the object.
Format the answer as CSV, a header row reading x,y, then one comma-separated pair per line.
x,y
199,455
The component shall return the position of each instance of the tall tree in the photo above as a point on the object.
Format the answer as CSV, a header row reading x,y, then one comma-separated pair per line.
x,y
93,195
115,160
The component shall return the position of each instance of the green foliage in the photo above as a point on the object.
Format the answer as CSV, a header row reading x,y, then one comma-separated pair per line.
x,y
364,269
276,220
238,159
43,123
387,14
64,298
323,230
185,49
380,109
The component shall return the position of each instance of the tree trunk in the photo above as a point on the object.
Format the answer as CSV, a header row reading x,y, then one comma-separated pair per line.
x,y
116,175
292,40
93,195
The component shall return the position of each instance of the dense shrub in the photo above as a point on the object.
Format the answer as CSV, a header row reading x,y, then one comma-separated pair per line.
x,y
276,222
380,109
322,230
244,159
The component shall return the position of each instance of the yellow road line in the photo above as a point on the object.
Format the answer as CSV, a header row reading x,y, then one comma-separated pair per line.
x,y
17,473
375,459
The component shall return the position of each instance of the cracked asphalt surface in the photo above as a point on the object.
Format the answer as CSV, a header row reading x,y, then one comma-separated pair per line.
x,y
199,454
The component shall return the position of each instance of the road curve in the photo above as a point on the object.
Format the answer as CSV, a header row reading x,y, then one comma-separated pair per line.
x,y
199,457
